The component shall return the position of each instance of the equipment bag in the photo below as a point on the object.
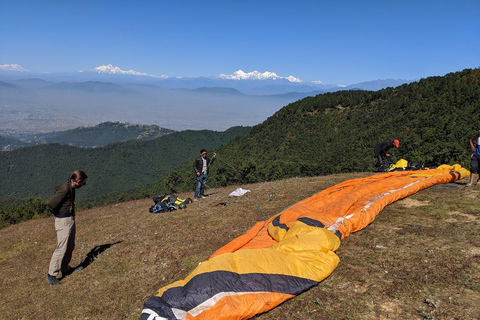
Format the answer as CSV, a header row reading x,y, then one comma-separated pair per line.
x,y
162,207
167,203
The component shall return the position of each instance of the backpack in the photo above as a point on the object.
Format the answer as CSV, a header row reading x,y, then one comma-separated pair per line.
x,y
167,203
416,166
162,206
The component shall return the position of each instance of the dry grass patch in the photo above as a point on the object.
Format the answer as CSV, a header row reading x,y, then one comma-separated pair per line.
x,y
411,263
409,202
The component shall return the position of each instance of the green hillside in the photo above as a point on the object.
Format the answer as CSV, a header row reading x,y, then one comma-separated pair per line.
x,y
335,132
107,133
33,171
9,144
87,137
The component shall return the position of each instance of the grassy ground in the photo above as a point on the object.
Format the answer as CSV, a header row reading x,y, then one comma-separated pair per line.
x,y
420,259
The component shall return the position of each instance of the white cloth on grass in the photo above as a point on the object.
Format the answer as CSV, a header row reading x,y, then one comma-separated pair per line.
x,y
238,193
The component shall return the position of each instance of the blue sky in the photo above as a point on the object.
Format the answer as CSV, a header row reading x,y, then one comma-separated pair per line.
x,y
341,42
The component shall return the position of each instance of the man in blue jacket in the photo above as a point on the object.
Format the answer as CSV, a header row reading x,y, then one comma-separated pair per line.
x,y
200,166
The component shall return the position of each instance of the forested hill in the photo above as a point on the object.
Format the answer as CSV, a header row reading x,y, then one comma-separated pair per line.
x,y
87,137
107,133
34,171
335,132
8,143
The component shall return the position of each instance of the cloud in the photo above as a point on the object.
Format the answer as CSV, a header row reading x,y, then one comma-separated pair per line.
x,y
255,75
110,69
12,67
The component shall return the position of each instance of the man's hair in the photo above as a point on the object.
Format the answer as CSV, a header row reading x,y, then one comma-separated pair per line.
x,y
78,175
202,151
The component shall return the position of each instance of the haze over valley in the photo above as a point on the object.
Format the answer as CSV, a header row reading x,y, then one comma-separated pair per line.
x,y
37,103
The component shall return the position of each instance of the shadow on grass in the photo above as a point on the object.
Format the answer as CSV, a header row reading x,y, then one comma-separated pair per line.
x,y
450,185
210,193
91,256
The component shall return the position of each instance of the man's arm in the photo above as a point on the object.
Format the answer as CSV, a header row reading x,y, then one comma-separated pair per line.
x,y
57,198
383,150
195,167
213,158
471,142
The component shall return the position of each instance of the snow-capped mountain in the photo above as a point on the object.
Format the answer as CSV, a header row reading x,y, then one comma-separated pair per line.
x,y
327,86
12,67
110,69
253,83
256,75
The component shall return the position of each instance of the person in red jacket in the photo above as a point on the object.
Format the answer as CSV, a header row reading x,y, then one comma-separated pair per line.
x,y
62,205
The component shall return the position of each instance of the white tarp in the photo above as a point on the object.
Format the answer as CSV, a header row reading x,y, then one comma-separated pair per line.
x,y
238,193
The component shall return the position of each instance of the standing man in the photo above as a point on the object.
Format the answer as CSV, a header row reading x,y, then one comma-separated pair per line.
x,y
62,205
475,159
381,153
200,166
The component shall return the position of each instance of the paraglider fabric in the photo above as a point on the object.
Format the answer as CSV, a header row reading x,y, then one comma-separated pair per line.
x,y
289,253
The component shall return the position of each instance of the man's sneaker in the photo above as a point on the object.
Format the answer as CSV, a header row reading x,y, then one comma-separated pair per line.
x,y
52,280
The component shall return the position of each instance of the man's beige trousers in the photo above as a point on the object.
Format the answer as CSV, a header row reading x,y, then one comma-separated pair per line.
x,y
62,255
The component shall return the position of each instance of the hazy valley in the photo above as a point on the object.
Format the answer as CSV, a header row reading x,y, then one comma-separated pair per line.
x,y
38,103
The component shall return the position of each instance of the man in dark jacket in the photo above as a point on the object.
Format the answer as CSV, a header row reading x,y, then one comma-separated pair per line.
x,y
62,205
200,166
381,153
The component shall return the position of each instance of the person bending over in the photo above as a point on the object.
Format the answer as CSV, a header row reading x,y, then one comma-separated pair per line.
x,y
381,154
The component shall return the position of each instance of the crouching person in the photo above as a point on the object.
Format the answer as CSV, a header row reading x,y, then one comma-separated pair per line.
x,y
62,205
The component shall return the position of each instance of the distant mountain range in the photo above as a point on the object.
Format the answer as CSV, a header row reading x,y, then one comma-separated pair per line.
x,y
376,84
253,82
7,85
35,103
90,87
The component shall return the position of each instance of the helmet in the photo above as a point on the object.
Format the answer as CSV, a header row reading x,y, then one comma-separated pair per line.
x,y
182,205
